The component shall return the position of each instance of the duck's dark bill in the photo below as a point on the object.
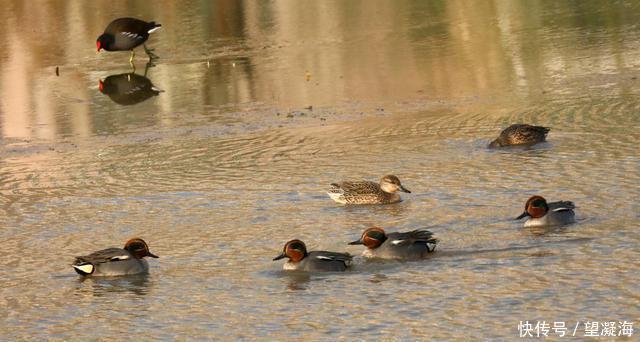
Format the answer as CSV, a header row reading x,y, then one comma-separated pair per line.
x,y
279,257
357,242
403,189
522,215
152,255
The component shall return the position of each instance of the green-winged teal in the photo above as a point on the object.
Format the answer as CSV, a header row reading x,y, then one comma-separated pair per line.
x,y
543,214
314,261
366,192
412,245
520,134
115,261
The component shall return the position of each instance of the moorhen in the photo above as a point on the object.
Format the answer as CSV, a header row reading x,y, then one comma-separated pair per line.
x,y
125,34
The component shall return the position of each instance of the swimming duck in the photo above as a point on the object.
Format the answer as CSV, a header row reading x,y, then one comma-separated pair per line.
x,y
115,261
366,192
520,134
411,245
543,214
301,260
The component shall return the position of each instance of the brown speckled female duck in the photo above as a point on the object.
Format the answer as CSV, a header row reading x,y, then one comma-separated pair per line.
x,y
520,134
366,192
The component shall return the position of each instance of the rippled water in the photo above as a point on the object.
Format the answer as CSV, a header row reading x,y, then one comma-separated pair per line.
x,y
263,104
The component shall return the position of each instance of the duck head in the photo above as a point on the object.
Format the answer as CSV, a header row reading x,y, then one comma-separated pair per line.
x,y
535,207
391,184
496,143
138,248
372,238
295,250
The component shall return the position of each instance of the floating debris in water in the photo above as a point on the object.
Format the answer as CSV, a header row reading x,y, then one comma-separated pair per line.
x,y
57,71
307,76
296,113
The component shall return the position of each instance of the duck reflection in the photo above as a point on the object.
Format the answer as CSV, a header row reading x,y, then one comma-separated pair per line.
x,y
298,281
98,287
397,210
128,88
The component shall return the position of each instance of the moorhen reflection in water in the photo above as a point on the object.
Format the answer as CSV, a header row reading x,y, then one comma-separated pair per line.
x,y
128,88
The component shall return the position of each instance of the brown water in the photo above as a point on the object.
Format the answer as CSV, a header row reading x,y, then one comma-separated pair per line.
x,y
266,103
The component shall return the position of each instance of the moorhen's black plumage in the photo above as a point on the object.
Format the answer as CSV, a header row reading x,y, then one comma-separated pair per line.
x,y
128,89
125,34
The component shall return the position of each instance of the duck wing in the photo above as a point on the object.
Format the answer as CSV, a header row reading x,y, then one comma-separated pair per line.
x,y
331,256
525,130
103,256
561,206
418,236
355,187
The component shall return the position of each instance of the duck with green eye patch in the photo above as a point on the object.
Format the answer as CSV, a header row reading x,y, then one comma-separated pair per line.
x,y
412,245
542,213
115,261
314,261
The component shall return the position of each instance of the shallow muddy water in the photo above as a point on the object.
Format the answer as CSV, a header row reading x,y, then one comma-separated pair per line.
x,y
225,149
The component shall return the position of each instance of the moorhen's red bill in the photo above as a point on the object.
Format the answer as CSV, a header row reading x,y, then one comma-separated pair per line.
x,y
125,34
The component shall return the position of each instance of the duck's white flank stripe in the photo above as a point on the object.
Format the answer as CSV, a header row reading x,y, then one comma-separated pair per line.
x,y
322,257
397,242
119,257
154,29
